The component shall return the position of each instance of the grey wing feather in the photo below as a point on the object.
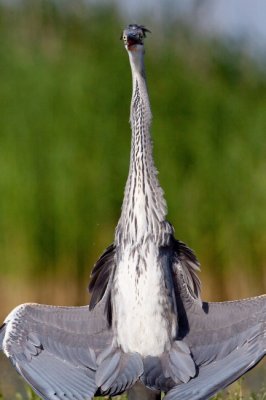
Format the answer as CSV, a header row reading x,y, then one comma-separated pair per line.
x,y
216,376
220,328
53,378
117,370
55,348
226,339
177,363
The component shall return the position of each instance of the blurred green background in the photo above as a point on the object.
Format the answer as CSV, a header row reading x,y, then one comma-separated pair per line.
x,y
65,88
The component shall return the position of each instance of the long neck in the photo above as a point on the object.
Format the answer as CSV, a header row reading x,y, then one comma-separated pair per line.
x,y
144,207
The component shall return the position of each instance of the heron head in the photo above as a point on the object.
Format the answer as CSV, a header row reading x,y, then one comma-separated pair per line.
x,y
133,37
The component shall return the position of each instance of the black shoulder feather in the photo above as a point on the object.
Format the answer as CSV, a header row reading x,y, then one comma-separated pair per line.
x,y
101,274
190,265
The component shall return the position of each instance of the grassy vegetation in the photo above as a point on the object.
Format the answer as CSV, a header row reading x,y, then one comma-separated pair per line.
x,y
235,394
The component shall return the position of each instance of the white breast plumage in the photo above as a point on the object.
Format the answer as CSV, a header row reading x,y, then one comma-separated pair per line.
x,y
138,302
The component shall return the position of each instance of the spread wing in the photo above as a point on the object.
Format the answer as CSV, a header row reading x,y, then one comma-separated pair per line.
x,y
55,348
226,339
69,352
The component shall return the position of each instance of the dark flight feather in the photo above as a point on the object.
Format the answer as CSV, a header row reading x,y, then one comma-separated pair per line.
x,y
100,275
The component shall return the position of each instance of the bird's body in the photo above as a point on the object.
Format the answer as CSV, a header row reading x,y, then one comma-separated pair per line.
x,y
140,233
146,330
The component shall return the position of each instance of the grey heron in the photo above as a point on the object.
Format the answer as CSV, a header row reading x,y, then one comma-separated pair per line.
x,y
146,330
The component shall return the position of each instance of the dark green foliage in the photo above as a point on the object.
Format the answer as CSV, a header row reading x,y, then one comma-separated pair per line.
x,y
64,142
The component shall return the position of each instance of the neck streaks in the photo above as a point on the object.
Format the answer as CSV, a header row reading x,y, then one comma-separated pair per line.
x,y
144,207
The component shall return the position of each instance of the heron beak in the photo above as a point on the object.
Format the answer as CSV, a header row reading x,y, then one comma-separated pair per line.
x,y
131,42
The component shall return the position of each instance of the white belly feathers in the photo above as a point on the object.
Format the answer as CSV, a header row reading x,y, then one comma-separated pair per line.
x,y
138,302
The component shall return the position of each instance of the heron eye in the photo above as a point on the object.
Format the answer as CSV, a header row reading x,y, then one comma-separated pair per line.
x,y
125,38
